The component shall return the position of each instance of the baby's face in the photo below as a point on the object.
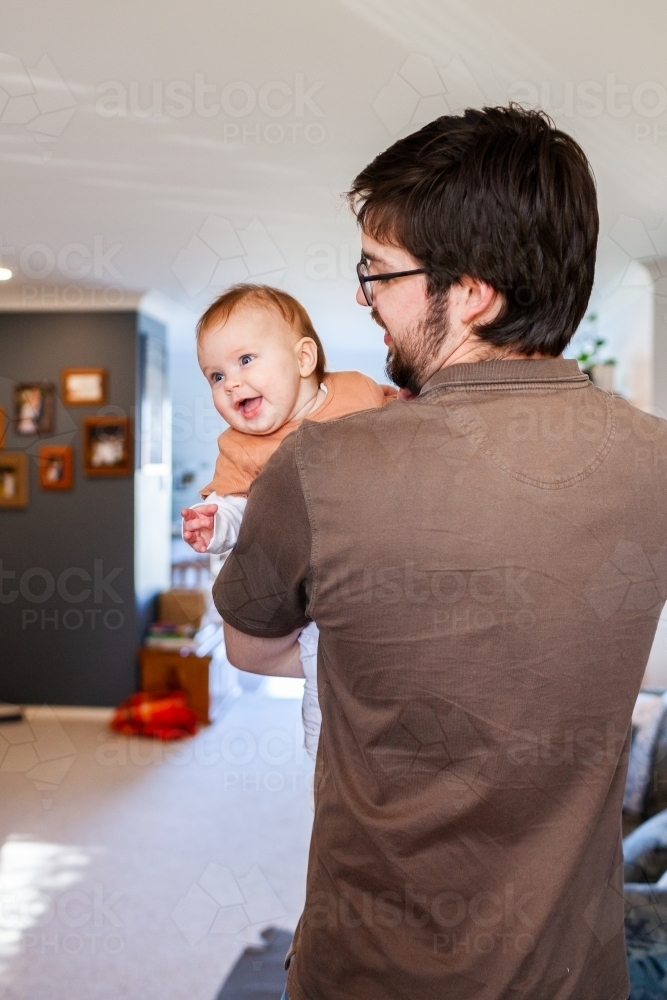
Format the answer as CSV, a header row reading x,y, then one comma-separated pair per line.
x,y
252,364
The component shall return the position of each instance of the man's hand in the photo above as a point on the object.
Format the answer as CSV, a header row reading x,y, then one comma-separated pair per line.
x,y
273,657
198,523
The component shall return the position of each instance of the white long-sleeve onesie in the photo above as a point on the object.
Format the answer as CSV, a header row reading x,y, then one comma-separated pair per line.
x,y
226,527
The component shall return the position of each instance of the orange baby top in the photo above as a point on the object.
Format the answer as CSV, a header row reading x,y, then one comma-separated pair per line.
x,y
241,457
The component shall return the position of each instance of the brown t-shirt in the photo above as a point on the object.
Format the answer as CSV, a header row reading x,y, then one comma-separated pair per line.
x,y
241,457
486,565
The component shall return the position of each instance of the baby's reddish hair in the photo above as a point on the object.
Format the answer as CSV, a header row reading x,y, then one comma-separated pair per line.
x,y
269,298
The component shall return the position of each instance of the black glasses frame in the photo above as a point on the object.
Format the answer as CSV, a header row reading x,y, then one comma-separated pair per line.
x,y
364,278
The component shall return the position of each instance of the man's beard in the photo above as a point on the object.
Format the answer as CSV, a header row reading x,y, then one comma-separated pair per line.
x,y
409,365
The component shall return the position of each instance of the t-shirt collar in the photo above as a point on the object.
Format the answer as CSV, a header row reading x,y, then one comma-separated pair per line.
x,y
526,370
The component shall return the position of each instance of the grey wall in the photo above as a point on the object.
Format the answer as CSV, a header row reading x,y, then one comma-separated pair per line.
x,y
90,528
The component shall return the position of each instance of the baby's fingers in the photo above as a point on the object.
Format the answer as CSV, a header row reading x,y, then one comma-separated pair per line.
x,y
201,524
208,509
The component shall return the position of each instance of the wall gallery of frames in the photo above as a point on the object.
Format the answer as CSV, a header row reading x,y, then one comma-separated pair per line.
x,y
84,501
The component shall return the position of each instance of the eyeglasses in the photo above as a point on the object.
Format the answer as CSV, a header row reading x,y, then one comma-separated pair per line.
x,y
365,278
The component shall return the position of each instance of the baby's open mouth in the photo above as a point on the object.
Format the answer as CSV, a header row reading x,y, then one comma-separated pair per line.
x,y
250,407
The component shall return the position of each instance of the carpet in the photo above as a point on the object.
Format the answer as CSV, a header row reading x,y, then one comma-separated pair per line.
x,y
260,972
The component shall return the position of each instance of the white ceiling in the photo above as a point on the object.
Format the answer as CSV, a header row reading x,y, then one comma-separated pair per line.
x,y
182,200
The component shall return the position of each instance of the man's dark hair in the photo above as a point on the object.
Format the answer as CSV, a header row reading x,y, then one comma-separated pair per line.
x,y
502,196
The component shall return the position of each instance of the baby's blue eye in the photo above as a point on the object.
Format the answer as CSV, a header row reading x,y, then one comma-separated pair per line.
x,y
217,377
246,358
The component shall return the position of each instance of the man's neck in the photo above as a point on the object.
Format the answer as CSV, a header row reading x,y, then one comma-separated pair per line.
x,y
475,349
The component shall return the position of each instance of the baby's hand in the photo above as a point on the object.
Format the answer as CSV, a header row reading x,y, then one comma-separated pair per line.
x,y
391,392
198,525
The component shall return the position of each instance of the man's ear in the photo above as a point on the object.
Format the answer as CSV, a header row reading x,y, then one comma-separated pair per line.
x,y
480,302
306,356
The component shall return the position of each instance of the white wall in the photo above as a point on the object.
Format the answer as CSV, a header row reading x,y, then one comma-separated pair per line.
x,y
625,319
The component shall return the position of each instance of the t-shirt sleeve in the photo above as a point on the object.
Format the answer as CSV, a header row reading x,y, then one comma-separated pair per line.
x,y
263,587
234,469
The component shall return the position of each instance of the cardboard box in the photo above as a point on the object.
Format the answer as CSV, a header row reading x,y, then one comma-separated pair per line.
x,y
164,671
182,607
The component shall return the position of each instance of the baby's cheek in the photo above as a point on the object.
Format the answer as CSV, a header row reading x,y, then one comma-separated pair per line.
x,y
221,403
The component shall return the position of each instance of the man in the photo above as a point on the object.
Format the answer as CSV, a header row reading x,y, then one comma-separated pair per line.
x,y
486,564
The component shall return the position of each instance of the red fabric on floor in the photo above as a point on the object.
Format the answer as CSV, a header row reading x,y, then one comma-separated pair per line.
x,y
163,715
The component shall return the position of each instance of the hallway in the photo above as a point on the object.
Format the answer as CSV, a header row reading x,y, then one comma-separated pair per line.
x,y
151,866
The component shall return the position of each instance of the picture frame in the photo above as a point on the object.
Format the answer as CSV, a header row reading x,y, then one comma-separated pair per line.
x,y
34,408
4,424
55,467
84,386
13,479
107,446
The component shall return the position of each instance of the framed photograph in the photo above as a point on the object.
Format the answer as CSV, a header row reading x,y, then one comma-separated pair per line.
x,y
55,467
34,407
107,446
4,424
84,386
13,479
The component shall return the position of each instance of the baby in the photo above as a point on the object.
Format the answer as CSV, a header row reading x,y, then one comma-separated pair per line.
x,y
266,367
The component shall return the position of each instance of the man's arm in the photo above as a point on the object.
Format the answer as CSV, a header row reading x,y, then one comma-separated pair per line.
x,y
262,590
274,657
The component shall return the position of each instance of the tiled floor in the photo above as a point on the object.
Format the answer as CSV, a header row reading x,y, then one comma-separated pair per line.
x,y
135,869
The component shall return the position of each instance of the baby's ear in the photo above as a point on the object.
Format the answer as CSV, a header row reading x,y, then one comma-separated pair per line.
x,y
306,355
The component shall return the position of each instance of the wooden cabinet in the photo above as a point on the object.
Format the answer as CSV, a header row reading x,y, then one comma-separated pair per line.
x,y
163,670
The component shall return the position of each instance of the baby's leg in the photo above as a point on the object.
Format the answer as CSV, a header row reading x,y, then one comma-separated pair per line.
x,y
310,710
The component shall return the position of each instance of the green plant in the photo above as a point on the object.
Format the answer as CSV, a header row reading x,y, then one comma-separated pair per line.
x,y
589,356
